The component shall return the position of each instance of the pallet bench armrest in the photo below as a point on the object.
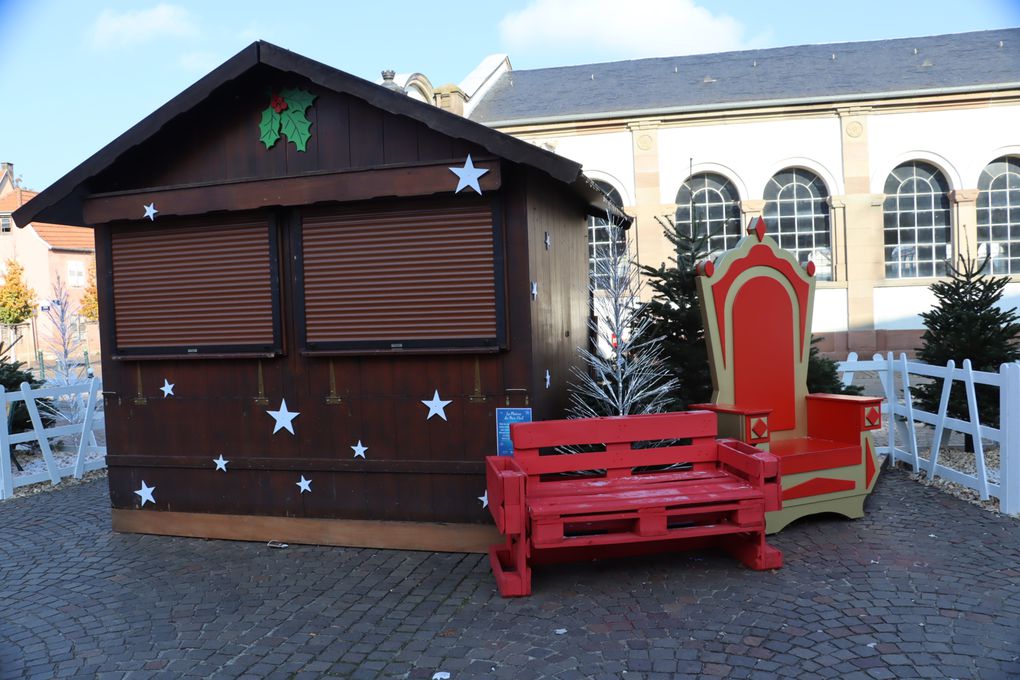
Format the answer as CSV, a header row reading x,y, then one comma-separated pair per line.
x,y
842,417
505,486
758,467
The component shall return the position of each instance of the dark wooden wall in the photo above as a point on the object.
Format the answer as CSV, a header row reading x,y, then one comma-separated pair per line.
x,y
218,140
415,469
560,312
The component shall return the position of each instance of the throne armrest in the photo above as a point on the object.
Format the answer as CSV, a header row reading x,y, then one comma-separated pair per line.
x,y
758,467
749,424
842,417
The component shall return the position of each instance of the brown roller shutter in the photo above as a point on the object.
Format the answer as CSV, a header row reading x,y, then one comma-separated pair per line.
x,y
195,289
422,275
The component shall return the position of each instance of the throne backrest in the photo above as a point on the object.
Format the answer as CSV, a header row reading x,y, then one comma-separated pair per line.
x,y
756,303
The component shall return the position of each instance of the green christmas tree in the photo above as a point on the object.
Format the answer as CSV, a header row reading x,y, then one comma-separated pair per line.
x,y
17,300
967,323
675,315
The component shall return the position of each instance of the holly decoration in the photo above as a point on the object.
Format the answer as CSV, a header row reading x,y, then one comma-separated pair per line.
x,y
286,114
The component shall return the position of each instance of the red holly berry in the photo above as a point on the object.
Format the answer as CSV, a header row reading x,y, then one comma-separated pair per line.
x,y
278,103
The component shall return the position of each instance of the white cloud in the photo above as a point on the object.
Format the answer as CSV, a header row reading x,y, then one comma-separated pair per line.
x,y
576,31
122,29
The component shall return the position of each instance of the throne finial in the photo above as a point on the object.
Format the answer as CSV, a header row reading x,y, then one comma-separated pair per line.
x,y
757,227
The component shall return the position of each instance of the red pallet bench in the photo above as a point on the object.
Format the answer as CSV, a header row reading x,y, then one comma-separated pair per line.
x,y
695,492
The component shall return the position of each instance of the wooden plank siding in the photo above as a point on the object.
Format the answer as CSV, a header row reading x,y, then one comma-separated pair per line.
x,y
223,140
416,470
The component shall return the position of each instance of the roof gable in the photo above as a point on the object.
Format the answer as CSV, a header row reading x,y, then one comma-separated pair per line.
x,y
173,124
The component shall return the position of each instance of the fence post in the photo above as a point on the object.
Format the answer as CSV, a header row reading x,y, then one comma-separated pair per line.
x,y
40,433
86,428
848,376
893,400
6,474
940,419
42,365
1009,450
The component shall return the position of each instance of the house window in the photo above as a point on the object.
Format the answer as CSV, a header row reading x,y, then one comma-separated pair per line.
x,y
917,221
998,214
5,225
605,243
76,274
402,275
709,204
797,214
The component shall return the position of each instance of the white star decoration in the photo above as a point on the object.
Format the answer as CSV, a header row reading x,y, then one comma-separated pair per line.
x,y
548,378
221,464
304,484
468,176
359,449
167,389
534,290
150,212
437,406
283,418
484,498
145,493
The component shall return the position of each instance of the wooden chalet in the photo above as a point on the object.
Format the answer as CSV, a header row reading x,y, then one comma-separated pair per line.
x,y
284,231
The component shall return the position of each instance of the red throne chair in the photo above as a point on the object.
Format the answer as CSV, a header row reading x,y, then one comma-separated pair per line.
x,y
756,300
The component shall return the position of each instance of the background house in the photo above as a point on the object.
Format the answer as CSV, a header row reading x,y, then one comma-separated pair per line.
x,y
876,160
46,251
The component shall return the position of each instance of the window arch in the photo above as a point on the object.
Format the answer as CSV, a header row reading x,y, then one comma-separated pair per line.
x,y
603,241
711,203
917,220
998,214
797,214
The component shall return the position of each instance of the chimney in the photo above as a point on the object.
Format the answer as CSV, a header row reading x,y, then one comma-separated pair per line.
x,y
451,98
387,81
6,167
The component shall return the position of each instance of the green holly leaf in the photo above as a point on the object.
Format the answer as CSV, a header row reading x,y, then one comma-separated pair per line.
x,y
297,128
298,99
269,128
294,124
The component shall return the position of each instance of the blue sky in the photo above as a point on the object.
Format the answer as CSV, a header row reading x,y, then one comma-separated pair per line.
x,y
74,74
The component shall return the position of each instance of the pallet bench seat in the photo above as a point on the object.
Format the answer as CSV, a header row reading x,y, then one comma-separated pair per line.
x,y
663,482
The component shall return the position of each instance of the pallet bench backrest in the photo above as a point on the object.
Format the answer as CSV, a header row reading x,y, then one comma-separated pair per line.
x,y
618,435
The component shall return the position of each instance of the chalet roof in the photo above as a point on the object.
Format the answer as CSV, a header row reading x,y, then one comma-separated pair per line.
x,y
62,201
959,62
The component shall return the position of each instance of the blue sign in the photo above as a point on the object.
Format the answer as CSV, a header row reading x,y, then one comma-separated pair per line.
x,y
504,417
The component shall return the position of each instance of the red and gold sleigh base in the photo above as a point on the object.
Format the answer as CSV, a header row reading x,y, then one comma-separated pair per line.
x,y
756,300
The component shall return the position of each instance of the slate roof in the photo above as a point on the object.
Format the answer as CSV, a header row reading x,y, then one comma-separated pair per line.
x,y
808,73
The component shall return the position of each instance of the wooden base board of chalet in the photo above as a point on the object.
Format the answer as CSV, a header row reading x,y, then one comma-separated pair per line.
x,y
430,536
330,287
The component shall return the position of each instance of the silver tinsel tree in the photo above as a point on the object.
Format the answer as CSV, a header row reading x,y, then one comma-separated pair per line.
x,y
625,374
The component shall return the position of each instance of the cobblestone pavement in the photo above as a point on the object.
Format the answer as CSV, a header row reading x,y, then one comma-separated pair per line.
x,y
925,586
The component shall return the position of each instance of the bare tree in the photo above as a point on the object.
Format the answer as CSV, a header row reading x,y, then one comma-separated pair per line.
x,y
64,343
625,374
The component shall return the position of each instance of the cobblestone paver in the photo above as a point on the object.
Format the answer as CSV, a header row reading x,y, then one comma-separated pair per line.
x,y
926,586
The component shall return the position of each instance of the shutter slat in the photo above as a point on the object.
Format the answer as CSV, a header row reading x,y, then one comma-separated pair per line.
x,y
193,286
376,276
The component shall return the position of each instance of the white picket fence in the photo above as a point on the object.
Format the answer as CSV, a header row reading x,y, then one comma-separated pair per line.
x,y
86,430
901,415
